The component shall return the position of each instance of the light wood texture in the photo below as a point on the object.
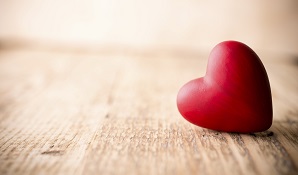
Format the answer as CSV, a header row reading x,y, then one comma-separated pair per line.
x,y
114,112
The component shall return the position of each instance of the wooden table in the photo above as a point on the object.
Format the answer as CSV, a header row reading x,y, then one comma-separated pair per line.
x,y
114,112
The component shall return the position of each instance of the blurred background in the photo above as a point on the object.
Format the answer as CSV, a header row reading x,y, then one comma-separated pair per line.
x,y
190,25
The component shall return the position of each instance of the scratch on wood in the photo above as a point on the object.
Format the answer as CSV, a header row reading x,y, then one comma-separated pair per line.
x,y
53,152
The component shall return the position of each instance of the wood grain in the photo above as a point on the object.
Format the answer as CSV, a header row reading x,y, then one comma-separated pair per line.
x,y
114,112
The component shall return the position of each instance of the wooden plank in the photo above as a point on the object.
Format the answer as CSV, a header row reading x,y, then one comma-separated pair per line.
x,y
101,113
149,146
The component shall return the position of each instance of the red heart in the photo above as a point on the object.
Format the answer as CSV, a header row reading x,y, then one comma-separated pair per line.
x,y
233,96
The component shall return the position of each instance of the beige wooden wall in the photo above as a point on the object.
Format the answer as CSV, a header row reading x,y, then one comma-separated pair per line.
x,y
270,25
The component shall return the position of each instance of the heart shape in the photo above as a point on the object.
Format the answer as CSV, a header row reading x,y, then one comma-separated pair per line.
x,y
233,96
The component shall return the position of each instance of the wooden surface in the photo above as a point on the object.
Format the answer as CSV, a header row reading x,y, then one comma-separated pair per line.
x,y
114,112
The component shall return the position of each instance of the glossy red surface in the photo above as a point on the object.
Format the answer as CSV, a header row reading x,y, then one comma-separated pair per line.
x,y
233,96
